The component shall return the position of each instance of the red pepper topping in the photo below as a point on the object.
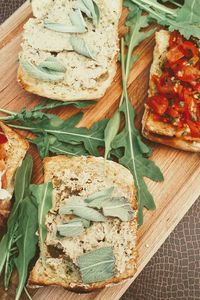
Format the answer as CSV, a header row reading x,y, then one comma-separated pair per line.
x,y
3,138
177,100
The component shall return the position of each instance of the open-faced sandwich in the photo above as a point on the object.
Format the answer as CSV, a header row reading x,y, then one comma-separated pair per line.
x,y
12,151
172,114
92,226
70,48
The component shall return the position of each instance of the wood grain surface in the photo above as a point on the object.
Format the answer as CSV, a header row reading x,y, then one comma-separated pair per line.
x,y
181,170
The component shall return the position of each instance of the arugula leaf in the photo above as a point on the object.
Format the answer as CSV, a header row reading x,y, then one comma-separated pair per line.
x,y
184,18
22,181
134,160
27,243
36,112
127,145
43,194
65,132
7,244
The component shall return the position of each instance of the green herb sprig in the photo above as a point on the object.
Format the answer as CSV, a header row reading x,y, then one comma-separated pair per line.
x,y
127,145
184,17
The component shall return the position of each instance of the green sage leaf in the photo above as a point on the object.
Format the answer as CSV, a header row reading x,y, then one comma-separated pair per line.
x,y
41,73
77,19
118,207
96,200
54,64
94,10
70,229
97,265
79,208
64,27
79,46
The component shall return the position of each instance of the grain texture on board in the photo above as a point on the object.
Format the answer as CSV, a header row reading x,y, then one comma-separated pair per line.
x,y
181,170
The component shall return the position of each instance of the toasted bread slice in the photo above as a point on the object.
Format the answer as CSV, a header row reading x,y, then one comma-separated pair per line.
x,y
11,155
83,176
157,131
85,78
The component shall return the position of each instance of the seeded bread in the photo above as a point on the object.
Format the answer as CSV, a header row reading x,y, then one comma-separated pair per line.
x,y
84,78
82,176
12,153
159,131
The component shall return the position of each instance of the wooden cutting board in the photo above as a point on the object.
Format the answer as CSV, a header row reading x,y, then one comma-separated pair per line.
x,y
173,197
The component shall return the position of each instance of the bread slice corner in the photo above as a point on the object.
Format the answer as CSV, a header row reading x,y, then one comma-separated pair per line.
x,y
85,175
14,151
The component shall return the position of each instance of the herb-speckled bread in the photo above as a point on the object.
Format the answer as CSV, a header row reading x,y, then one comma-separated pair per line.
x,y
11,155
83,78
158,131
81,177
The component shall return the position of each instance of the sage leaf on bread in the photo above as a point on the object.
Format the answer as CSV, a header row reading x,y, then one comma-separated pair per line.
x,y
70,229
53,63
27,243
93,8
41,73
97,265
64,28
96,200
79,46
79,208
43,193
77,19
118,207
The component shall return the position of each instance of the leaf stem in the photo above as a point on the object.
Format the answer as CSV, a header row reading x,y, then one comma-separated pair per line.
x,y
8,112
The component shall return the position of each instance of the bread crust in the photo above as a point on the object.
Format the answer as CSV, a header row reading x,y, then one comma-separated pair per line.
x,y
159,131
15,150
35,280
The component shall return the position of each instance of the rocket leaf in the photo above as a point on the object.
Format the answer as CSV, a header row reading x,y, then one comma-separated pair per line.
x,y
184,17
26,245
43,194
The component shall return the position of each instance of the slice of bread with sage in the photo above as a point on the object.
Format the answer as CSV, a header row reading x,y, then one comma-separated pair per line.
x,y
82,37
92,226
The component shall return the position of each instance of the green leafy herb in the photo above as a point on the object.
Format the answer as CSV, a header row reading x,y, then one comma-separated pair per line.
x,y
70,229
96,200
37,111
77,19
79,46
64,27
184,17
43,194
18,245
64,131
118,207
27,243
91,9
79,208
97,265
41,73
134,153
53,63
111,131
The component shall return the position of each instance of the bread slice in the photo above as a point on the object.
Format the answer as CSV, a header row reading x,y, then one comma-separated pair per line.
x,y
161,132
11,155
85,78
83,176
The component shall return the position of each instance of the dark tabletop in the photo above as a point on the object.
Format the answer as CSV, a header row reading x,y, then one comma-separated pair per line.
x,y
174,271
